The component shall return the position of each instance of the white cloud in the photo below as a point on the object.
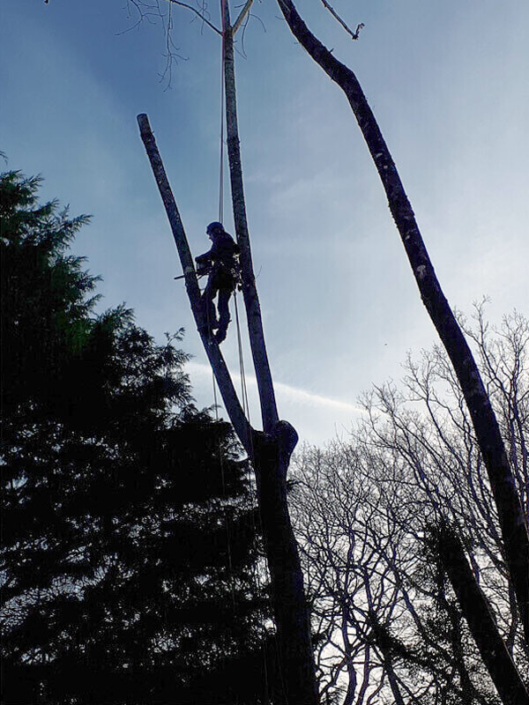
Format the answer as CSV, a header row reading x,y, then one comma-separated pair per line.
x,y
285,392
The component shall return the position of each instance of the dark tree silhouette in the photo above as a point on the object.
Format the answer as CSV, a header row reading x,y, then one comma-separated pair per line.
x,y
130,537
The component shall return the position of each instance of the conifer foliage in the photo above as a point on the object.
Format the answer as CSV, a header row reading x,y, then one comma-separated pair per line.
x,y
129,534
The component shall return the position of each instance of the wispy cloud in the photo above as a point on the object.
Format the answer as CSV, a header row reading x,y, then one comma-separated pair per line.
x,y
285,392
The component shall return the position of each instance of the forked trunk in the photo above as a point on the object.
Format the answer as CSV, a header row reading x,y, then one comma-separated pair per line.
x,y
269,450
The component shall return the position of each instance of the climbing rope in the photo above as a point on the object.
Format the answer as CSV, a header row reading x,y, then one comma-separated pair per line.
x,y
222,110
242,373
221,161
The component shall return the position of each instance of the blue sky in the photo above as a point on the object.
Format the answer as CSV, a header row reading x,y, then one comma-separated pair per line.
x,y
448,83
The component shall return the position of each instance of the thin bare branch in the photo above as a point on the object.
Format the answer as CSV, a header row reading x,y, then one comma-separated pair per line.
x,y
197,12
354,35
171,54
142,14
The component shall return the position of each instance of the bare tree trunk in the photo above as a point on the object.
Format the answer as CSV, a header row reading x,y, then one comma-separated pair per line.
x,y
512,520
393,682
474,605
380,639
270,453
249,290
272,448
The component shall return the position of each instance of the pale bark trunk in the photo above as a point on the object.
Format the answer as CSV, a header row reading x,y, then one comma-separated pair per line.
x,y
272,448
249,289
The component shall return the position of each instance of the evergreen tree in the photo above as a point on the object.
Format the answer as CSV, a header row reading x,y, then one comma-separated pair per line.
x,y
129,553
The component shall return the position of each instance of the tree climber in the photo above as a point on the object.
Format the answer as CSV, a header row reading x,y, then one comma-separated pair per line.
x,y
221,262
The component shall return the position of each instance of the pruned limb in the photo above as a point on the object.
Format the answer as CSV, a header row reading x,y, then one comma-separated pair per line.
x,y
513,523
480,619
354,35
240,19
222,375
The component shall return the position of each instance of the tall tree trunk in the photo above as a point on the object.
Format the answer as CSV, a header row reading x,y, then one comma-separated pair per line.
x,y
292,616
513,523
249,289
272,448
380,639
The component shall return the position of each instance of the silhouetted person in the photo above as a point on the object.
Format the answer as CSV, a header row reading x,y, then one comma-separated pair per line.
x,y
222,265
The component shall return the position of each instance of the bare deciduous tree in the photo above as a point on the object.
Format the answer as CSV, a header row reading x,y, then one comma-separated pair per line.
x,y
369,512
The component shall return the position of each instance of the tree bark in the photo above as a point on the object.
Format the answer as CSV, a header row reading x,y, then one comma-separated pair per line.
x,y
480,619
513,523
249,289
380,640
292,616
